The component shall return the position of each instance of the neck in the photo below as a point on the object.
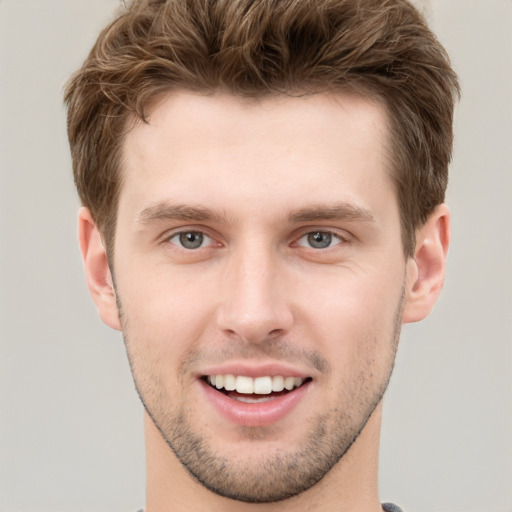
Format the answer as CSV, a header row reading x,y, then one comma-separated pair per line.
x,y
351,485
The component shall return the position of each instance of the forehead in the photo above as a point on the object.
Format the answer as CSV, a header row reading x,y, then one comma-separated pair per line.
x,y
228,120
222,150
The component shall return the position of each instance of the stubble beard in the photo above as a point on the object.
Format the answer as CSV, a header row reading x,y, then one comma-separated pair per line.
x,y
279,475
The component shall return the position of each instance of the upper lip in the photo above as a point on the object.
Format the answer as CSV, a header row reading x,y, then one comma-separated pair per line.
x,y
270,369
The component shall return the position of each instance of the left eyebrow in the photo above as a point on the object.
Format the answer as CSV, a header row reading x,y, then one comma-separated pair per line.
x,y
341,211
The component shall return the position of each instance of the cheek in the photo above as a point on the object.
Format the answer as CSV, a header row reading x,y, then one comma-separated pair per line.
x,y
162,316
353,316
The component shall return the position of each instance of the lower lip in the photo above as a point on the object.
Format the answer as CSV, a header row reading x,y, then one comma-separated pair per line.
x,y
255,414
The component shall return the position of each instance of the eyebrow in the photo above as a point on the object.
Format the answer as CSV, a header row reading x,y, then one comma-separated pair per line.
x,y
166,211
341,211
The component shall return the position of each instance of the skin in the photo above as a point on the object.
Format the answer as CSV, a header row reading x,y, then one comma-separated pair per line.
x,y
256,178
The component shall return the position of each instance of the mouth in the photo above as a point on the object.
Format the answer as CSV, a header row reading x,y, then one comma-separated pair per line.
x,y
256,390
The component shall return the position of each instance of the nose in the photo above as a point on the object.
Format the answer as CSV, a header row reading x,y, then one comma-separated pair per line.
x,y
255,302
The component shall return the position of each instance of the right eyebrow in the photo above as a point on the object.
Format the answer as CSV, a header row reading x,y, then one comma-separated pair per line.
x,y
166,211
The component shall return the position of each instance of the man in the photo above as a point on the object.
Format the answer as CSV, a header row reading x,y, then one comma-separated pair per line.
x,y
262,185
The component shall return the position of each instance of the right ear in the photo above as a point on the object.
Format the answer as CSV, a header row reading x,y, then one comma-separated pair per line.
x,y
97,271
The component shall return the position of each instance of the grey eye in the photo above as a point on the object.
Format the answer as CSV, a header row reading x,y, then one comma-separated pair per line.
x,y
189,239
319,239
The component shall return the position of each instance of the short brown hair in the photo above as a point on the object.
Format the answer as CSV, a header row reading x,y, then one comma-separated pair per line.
x,y
382,49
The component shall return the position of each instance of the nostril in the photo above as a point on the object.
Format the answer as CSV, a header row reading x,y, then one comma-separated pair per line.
x,y
275,332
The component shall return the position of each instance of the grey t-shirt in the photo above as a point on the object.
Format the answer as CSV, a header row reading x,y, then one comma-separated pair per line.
x,y
389,507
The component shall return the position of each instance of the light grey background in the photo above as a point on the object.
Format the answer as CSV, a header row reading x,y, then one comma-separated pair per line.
x,y
70,424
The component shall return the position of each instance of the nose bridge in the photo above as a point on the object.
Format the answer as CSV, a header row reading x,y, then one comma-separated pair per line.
x,y
254,303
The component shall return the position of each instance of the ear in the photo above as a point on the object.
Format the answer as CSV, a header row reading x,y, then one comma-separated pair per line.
x,y
426,269
97,271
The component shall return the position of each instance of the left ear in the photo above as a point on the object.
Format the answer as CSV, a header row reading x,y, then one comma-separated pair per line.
x,y
426,269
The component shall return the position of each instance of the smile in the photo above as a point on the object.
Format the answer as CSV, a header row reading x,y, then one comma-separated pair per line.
x,y
255,401
257,386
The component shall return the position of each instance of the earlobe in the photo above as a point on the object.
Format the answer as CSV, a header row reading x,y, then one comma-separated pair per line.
x,y
426,269
97,271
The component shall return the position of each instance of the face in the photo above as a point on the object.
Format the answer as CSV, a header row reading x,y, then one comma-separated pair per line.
x,y
260,276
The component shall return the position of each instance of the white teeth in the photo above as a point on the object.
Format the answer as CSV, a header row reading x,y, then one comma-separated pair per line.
x,y
289,382
244,385
277,383
259,386
263,385
229,382
253,400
